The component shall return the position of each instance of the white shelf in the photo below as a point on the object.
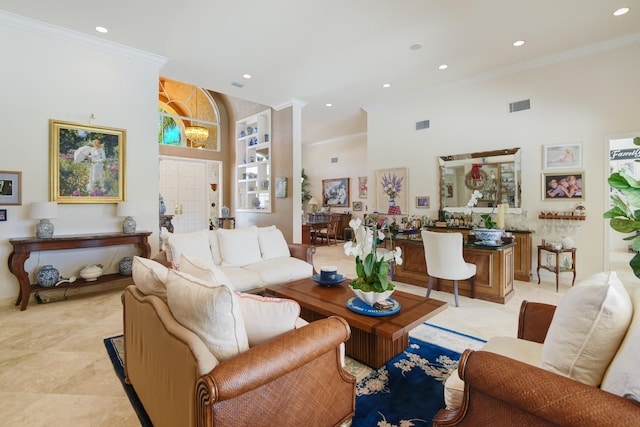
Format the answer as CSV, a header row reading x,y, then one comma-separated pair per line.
x,y
254,157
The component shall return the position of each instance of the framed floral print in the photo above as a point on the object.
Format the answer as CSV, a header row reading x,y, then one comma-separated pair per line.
x,y
87,163
392,190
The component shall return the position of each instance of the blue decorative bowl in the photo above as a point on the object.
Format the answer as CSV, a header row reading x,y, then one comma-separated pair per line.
x,y
490,234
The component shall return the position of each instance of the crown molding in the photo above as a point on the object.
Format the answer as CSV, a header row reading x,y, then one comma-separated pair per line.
x,y
60,33
291,103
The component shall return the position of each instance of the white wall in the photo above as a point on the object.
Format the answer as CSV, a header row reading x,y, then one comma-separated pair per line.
x,y
581,100
52,74
352,163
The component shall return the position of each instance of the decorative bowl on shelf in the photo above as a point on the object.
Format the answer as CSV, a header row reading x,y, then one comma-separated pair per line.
x,y
91,272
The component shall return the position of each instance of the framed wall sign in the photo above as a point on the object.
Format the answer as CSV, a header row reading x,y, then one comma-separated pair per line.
x,y
10,188
87,163
567,156
335,192
562,186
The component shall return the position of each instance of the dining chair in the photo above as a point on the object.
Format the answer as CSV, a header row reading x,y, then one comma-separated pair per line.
x,y
443,253
330,230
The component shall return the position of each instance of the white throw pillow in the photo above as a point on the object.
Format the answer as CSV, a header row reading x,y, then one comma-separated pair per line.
x,y
194,245
149,276
214,245
587,328
272,243
208,273
212,313
622,376
239,247
266,318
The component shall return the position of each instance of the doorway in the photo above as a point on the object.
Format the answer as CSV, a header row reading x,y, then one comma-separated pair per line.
x,y
186,186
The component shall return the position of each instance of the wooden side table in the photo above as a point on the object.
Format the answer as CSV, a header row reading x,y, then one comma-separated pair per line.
x,y
231,219
558,268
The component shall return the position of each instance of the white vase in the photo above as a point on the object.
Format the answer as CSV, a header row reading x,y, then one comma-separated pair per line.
x,y
371,298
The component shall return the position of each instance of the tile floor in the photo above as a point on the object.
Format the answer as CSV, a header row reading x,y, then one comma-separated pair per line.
x,y
54,370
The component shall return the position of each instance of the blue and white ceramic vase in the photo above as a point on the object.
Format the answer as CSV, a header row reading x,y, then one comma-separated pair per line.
x,y
48,276
124,266
224,211
163,207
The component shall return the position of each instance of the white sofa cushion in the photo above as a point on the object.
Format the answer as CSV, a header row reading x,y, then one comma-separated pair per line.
x,y
149,277
195,245
272,243
525,351
209,273
243,279
587,329
279,270
622,376
214,245
265,318
239,247
212,313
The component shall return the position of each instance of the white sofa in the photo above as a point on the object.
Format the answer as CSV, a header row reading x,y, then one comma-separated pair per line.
x,y
593,338
250,257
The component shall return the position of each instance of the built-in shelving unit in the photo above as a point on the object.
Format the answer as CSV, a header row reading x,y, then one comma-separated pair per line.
x,y
253,148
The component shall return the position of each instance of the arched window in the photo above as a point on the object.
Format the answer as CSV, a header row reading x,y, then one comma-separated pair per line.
x,y
188,116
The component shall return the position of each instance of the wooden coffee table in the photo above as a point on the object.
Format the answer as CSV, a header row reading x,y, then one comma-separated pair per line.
x,y
374,340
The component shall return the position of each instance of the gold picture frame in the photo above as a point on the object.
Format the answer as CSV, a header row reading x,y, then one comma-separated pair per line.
x,y
87,163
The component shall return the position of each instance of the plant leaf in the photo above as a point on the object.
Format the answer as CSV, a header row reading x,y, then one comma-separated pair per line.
x,y
635,265
624,225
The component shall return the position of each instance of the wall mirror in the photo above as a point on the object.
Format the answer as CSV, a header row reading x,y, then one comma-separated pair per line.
x,y
496,174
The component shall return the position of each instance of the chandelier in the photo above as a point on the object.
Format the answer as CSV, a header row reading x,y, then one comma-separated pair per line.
x,y
196,133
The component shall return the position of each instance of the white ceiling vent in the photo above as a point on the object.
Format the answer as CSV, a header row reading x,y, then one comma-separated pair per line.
x,y
519,106
334,160
236,84
422,125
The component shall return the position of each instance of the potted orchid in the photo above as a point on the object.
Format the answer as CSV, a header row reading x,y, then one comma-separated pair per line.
x,y
372,263
489,233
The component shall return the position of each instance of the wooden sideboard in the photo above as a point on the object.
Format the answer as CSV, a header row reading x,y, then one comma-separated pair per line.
x,y
22,248
494,275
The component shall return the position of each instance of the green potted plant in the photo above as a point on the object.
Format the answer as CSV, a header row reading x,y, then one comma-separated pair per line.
x,y
625,213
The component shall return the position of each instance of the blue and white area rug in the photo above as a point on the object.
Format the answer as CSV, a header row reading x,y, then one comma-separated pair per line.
x,y
407,391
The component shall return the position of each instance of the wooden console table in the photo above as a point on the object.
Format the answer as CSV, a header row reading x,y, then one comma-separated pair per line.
x,y
22,248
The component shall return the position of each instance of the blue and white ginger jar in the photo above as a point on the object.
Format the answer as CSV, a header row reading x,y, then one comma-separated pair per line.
x,y
48,276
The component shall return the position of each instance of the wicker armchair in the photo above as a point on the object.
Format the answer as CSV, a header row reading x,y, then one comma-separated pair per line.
x,y
500,391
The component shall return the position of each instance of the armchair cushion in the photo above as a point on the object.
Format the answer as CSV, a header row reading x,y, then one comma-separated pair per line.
x,y
239,247
587,329
212,313
150,277
208,273
266,318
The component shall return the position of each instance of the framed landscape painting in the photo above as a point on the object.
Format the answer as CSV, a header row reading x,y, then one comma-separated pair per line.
x,y
87,163
335,192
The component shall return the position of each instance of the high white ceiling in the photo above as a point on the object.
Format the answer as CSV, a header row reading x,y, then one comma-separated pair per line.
x,y
343,51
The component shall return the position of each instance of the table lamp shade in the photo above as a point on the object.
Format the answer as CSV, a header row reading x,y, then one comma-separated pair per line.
x,y
314,201
44,210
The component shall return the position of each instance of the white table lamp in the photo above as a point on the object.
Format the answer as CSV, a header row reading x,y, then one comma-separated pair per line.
x,y
313,202
44,211
128,210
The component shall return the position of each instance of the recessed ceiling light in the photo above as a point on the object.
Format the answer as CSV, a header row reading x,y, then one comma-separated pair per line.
x,y
386,85
328,105
621,11
518,43
416,46
102,30
246,76
443,67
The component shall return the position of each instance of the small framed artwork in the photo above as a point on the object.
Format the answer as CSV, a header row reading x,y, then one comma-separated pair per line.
x,y
87,163
562,186
3,214
357,206
281,187
335,192
363,187
567,156
10,188
423,202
